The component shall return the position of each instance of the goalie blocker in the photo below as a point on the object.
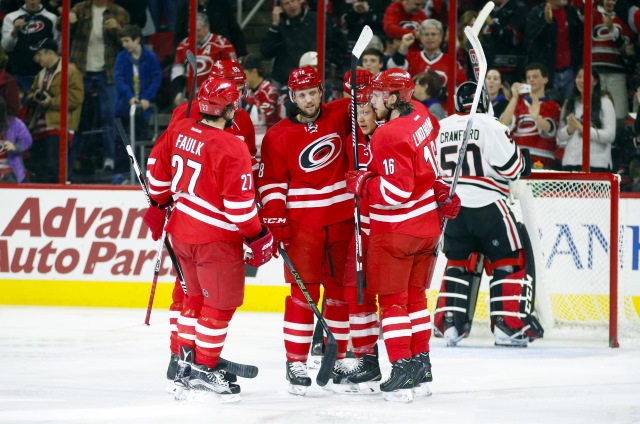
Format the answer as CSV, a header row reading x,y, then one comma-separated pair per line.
x,y
511,292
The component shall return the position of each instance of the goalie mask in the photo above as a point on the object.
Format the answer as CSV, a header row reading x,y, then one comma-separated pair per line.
x,y
465,95
216,94
394,80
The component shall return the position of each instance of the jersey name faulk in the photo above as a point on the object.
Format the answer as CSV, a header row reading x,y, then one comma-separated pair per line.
x,y
453,136
189,144
423,131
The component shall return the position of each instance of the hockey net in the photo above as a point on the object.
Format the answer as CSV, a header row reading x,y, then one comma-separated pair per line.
x,y
573,223
582,288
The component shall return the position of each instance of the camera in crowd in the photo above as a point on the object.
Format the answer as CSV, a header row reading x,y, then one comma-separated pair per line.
x,y
40,95
524,89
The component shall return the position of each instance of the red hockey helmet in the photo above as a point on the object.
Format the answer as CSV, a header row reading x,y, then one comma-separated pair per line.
x,y
228,69
215,94
304,78
394,80
363,78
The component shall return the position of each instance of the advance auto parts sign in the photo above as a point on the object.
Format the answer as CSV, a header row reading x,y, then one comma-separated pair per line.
x,y
95,235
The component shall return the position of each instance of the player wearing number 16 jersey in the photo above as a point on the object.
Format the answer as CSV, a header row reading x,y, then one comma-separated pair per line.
x,y
403,189
484,226
207,171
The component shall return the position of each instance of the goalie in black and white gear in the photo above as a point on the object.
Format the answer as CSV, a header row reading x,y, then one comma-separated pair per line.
x,y
485,234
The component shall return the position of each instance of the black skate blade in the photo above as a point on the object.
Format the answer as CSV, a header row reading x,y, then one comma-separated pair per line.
x,y
328,361
241,370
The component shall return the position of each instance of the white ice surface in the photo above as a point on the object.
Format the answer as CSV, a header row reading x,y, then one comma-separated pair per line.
x,y
77,365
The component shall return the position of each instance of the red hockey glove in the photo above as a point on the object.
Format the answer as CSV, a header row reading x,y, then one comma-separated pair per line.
x,y
357,181
278,224
261,247
154,218
449,207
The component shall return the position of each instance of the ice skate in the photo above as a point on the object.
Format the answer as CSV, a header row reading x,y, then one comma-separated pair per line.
x,y
181,381
422,377
209,383
399,386
298,378
171,373
506,336
361,378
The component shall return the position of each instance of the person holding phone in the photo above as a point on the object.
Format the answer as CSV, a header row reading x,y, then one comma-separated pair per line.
x,y
532,116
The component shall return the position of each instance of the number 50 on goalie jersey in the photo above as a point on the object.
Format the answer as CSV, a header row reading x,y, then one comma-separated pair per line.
x,y
492,158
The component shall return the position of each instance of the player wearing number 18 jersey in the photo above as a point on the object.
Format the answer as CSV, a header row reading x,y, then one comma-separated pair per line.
x,y
485,226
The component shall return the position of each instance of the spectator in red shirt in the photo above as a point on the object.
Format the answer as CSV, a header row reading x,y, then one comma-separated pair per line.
x,y
403,17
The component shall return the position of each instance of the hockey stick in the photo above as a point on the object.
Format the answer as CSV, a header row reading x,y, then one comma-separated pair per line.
x,y
156,274
241,370
191,59
479,62
365,37
145,190
331,350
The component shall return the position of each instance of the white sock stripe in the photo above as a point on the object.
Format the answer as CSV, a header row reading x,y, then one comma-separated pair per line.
x,y
354,319
374,331
208,345
298,327
340,336
337,324
174,314
396,333
419,314
210,331
187,336
395,320
298,339
189,322
173,328
421,327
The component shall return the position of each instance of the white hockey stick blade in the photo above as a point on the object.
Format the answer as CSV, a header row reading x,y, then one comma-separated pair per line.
x,y
482,17
480,65
363,41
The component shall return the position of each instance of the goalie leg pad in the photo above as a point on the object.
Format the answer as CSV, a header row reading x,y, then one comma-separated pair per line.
x,y
512,305
452,315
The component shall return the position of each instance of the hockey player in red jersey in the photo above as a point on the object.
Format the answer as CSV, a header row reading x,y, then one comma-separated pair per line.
x,y
485,227
207,171
406,199
211,48
154,218
363,319
306,206
242,125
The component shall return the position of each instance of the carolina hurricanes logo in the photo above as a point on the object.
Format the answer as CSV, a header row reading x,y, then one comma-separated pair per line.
x,y
32,27
526,126
204,64
602,33
320,152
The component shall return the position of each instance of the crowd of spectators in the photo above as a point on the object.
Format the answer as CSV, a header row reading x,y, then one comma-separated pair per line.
x,y
534,49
